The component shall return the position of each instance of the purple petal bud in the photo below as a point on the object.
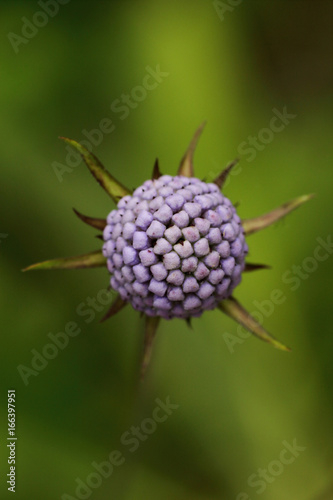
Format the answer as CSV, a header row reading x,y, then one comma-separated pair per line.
x,y
212,260
144,219
222,289
209,303
191,302
223,249
195,189
214,236
184,249
128,216
214,218
117,230
149,194
185,193
130,256
156,229
107,232
148,257
193,209
165,191
162,303
128,273
175,293
156,203
228,232
140,289
203,225
190,285
216,276
140,240
171,260
108,248
162,246
225,212
236,248
228,265
191,233
189,265
175,277
128,230
132,202
172,234
123,202
142,273
175,202
157,287
163,214
201,271
201,247
118,260
159,272
204,200
110,266
206,290
181,219
120,244
140,207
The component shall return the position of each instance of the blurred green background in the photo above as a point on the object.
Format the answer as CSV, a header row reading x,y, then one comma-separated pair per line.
x,y
232,64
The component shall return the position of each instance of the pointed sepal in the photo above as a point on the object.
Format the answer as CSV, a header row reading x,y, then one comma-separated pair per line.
x,y
252,225
254,267
151,324
91,221
115,307
114,188
232,308
92,259
156,171
220,179
186,165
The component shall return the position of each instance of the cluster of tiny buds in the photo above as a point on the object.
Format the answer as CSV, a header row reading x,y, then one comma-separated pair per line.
x,y
175,247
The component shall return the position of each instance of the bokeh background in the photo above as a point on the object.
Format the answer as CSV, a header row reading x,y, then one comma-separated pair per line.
x,y
232,64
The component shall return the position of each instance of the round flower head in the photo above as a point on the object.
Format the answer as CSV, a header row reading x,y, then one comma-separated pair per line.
x,y
175,247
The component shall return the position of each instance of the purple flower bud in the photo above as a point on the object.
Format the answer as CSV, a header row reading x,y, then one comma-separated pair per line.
x,y
172,234
171,260
203,226
157,287
162,246
159,271
191,233
193,209
156,230
140,240
175,248
175,202
175,277
181,219
141,273
201,247
184,249
148,257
